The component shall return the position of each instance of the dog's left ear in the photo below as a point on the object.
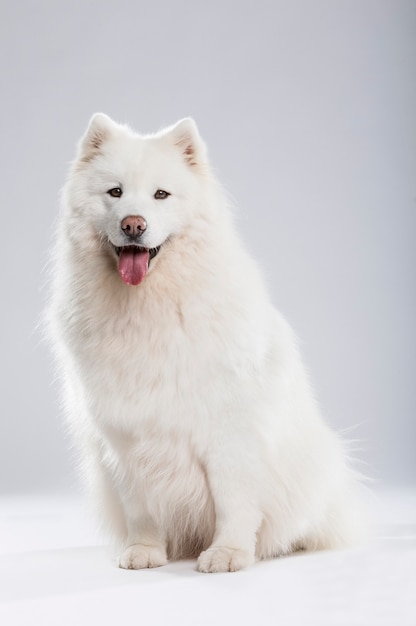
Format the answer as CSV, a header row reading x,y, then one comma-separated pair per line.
x,y
186,137
100,128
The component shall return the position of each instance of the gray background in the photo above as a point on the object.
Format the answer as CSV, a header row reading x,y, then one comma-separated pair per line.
x,y
308,108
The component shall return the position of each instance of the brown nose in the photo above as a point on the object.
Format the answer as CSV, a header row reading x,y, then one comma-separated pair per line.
x,y
133,226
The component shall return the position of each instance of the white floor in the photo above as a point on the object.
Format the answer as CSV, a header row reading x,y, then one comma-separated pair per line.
x,y
53,572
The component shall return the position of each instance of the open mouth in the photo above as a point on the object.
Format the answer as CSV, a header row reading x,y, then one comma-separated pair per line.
x,y
134,262
152,251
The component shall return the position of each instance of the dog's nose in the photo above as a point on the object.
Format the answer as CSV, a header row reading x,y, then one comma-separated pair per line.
x,y
133,226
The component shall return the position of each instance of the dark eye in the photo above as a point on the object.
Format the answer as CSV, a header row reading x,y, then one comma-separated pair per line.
x,y
161,194
116,192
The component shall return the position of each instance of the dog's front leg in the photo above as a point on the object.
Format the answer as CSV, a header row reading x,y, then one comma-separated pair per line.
x,y
145,544
238,517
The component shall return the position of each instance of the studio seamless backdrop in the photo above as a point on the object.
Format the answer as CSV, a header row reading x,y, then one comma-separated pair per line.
x,y
308,110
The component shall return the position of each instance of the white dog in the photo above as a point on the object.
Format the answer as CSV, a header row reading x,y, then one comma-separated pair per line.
x,y
197,428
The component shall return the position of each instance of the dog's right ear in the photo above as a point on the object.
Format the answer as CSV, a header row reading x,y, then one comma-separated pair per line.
x,y
185,136
99,129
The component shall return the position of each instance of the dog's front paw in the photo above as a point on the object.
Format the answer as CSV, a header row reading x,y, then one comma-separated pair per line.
x,y
221,559
139,556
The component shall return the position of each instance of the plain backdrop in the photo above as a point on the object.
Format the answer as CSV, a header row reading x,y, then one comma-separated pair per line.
x,y
308,108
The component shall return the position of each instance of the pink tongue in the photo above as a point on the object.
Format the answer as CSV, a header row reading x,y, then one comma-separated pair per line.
x,y
133,265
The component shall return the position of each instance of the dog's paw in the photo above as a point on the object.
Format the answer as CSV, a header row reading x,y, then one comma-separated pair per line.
x,y
139,556
221,559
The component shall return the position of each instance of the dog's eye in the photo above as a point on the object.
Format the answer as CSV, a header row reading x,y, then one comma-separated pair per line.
x,y
116,192
161,194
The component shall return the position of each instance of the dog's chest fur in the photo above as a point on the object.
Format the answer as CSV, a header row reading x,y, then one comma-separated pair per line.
x,y
152,355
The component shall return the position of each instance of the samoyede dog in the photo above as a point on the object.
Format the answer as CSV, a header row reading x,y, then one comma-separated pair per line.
x,y
197,430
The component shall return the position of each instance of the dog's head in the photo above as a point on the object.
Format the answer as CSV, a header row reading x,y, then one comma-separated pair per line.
x,y
130,194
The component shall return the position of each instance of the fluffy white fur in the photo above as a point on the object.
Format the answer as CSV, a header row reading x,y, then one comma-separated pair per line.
x,y
197,428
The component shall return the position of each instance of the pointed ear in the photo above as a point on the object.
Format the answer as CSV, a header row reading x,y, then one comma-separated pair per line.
x,y
99,130
186,137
